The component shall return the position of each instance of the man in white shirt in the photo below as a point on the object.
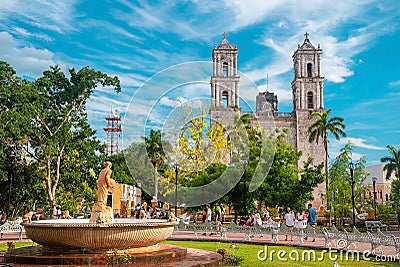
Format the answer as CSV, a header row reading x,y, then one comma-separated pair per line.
x,y
208,216
289,221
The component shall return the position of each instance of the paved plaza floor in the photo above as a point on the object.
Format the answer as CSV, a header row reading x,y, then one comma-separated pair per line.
x,y
319,243
257,239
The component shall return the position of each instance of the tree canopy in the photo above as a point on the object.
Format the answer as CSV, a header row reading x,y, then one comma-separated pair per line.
x,y
392,162
321,128
341,183
45,127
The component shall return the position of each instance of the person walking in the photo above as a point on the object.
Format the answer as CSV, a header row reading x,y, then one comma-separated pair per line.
x,y
204,215
208,217
311,218
218,214
289,222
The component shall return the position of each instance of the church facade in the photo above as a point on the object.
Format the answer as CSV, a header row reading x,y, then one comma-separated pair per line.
x,y
307,92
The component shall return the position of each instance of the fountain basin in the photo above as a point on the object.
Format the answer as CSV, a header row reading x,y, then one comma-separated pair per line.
x,y
79,233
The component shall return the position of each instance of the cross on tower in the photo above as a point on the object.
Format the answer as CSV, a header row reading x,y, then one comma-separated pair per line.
x,y
306,35
224,34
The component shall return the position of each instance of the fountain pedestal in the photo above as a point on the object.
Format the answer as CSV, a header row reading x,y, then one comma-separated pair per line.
x,y
101,213
154,256
77,242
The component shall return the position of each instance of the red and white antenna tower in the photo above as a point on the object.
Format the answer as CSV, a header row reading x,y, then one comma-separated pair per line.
x,y
113,132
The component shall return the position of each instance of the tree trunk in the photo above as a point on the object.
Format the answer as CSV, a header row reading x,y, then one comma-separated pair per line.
x,y
236,212
155,182
50,195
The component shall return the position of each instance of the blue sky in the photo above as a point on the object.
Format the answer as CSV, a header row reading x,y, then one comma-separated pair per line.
x,y
135,40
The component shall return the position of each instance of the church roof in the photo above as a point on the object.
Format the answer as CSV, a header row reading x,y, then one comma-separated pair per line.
x,y
306,44
225,44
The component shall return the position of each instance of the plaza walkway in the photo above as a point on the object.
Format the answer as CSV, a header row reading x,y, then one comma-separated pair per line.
x,y
237,238
267,240
257,239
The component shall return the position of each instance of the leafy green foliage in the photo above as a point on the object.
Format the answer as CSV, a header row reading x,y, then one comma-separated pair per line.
x,y
249,253
44,127
140,167
321,128
395,194
286,185
392,162
340,181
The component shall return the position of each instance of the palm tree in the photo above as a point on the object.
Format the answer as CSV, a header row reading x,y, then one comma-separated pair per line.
x,y
392,162
320,130
155,153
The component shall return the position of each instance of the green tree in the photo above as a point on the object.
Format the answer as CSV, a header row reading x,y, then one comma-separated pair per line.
x,y
341,183
15,115
53,135
140,168
121,173
60,120
25,191
395,194
282,186
392,162
156,154
321,128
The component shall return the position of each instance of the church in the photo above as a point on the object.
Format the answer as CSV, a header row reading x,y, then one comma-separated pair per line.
x,y
307,93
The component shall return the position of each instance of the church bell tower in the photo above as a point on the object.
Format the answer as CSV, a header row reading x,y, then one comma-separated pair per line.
x,y
224,84
308,97
308,84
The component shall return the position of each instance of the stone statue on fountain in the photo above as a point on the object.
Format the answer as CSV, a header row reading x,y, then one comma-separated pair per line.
x,y
101,213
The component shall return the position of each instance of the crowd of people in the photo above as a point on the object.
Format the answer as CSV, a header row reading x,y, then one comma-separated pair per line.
x,y
147,212
289,218
213,214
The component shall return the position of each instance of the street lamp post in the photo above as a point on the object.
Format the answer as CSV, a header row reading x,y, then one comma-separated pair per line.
x,y
10,182
335,192
351,167
244,185
374,179
176,188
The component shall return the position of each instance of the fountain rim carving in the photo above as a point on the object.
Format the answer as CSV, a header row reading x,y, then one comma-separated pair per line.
x,y
119,234
75,223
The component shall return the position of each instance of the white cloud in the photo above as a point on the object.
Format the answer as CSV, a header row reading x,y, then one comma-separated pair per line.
x,y
360,142
25,33
166,101
323,19
248,12
25,60
356,156
356,141
57,16
394,84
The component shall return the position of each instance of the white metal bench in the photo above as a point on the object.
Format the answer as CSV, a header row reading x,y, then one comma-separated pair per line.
x,y
11,227
299,227
375,225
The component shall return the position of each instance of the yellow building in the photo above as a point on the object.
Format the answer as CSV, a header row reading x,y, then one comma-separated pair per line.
x,y
124,198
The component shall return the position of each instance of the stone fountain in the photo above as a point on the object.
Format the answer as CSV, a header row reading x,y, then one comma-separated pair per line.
x,y
85,242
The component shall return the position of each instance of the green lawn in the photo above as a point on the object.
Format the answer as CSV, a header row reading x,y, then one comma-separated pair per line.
x,y
305,257
250,254
3,246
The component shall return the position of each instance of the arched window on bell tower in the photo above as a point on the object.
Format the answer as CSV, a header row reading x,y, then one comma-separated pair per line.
x,y
309,70
310,100
225,99
225,69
